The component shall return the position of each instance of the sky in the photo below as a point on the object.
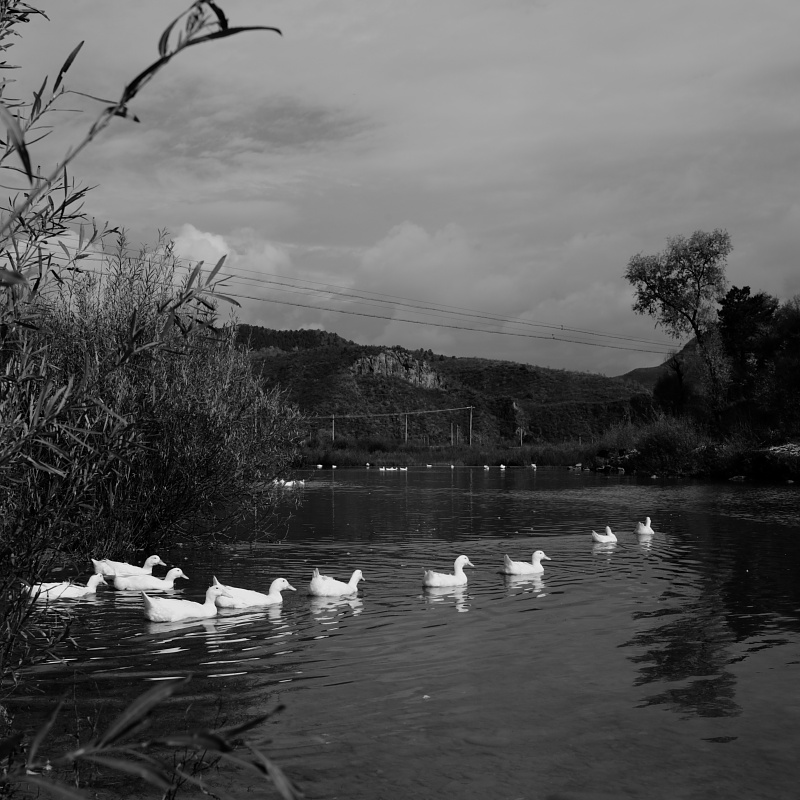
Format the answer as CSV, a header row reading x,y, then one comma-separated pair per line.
x,y
465,176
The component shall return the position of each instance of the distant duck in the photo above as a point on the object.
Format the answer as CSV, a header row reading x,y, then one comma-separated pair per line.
x,y
243,598
333,466
486,466
459,578
367,465
534,567
319,466
294,484
161,609
111,568
452,466
381,469
606,537
325,586
65,590
533,466
502,466
138,583
429,465
403,469
643,528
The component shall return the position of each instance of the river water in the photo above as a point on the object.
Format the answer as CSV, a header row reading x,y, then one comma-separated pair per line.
x,y
661,668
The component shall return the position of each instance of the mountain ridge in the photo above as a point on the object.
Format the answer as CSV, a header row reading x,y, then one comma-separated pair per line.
x,y
327,376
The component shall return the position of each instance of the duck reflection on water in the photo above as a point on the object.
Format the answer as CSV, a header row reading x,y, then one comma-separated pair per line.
x,y
524,583
328,609
445,594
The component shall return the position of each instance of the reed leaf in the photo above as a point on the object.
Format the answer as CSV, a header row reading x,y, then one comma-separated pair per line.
x,y
41,734
140,708
65,67
155,777
17,138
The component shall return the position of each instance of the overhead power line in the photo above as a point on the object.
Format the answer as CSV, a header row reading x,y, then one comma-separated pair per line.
x,y
444,316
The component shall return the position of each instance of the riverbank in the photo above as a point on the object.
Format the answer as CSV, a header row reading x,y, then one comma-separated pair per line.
x,y
661,453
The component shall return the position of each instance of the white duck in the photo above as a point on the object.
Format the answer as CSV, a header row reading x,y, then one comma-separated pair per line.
x,y
643,528
111,568
65,590
459,578
138,583
535,567
161,609
324,586
243,598
604,538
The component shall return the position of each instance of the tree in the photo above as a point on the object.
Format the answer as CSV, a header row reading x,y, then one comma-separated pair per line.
x,y
785,383
680,289
747,328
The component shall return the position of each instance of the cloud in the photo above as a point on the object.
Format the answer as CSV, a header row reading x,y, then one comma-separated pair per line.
x,y
508,157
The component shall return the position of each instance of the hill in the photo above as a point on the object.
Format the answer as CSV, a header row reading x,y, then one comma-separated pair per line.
x,y
649,376
328,376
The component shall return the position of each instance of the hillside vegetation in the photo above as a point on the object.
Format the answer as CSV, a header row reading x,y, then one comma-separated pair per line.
x,y
327,376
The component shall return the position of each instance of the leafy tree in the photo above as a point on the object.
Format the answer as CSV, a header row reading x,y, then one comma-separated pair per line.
x,y
680,288
785,382
748,332
674,391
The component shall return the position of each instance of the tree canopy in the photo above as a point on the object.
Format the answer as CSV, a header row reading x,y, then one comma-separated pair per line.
x,y
681,286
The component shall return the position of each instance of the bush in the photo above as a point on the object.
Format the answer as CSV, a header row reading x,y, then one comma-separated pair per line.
x,y
669,446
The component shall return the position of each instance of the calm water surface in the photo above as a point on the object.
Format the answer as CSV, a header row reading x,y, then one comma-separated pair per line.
x,y
666,668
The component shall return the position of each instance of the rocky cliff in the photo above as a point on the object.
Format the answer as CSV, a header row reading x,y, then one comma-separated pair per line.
x,y
390,363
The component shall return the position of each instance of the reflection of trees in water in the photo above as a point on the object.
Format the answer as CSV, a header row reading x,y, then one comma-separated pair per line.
x,y
694,650
744,598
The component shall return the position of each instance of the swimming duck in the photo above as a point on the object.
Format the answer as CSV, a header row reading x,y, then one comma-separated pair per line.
x,y
431,578
161,609
242,598
65,590
324,586
535,567
608,536
149,582
111,568
643,528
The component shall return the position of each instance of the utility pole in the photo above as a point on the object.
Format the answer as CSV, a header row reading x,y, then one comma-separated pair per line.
x,y
333,429
470,426
406,428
